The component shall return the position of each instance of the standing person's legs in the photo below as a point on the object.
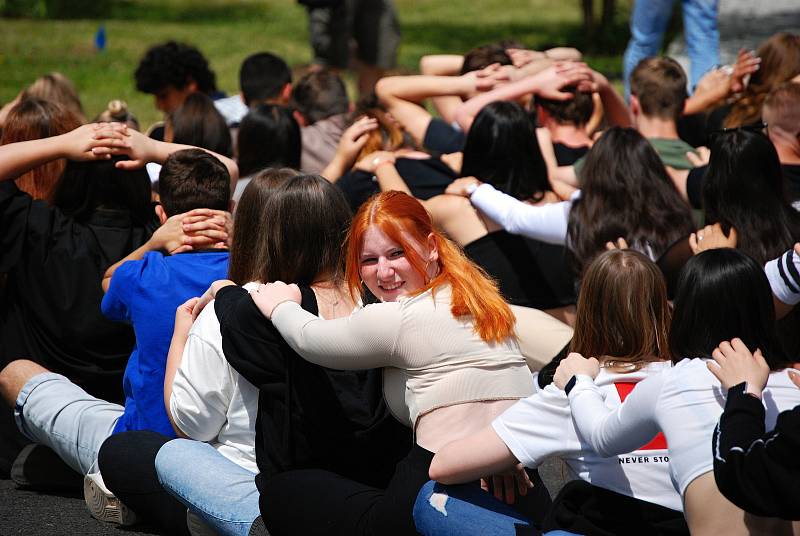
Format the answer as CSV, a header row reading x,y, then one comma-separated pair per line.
x,y
702,37
128,464
52,411
329,35
315,502
648,22
220,492
377,33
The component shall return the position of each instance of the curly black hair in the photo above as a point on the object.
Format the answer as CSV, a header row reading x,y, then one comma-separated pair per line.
x,y
174,64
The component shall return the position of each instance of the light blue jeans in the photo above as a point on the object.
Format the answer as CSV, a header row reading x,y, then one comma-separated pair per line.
x,y
220,492
648,22
52,411
466,510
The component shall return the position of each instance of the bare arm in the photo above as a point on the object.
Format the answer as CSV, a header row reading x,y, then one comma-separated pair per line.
x,y
443,65
183,323
472,458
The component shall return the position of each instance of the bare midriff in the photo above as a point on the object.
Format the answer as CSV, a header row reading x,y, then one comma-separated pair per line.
x,y
440,426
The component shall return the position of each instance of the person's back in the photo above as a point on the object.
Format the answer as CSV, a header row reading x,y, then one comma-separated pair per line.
x,y
146,292
781,113
566,121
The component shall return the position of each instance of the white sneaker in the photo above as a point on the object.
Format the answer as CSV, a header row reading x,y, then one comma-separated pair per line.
x,y
102,504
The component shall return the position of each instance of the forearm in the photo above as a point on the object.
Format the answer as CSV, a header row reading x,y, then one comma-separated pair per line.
x,y
420,87
784,279
616,110
336,168
162,150
174,358
18,158
441,64
515,90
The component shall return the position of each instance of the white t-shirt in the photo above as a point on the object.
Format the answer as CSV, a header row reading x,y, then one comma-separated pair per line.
x,y
684,402
541,426
210,401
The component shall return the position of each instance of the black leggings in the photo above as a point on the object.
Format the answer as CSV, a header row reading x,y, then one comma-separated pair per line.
x,y
127,462
314,502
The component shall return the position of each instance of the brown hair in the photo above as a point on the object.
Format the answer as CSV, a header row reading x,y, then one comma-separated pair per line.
x,y
481,57
401,217
55,87
780,61
389,136
782,108
34,119
623,315
294,232
575,111
660,86
117,110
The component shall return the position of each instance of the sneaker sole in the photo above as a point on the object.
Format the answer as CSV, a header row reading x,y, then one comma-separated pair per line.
x,y
105,508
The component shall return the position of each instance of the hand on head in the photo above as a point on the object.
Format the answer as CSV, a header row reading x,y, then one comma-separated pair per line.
x,y
712,237
374,160
117,139
355,137
197,229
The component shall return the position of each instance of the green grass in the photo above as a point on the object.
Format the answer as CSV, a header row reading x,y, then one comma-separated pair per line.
x,y
228,31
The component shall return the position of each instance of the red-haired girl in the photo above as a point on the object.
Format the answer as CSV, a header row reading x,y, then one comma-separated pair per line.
x,y
446,337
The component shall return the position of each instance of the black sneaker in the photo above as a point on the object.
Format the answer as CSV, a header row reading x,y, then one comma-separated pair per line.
x,y
39,468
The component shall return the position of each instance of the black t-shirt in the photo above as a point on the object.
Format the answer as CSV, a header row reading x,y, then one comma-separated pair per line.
x,y
791,181
530,273
426,178
567,155
309,416
50,312
694,186
443,138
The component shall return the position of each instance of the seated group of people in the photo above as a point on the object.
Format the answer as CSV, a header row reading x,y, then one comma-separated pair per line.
x,y
283,313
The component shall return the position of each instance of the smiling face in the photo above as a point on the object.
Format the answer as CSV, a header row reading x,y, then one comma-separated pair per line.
x,y
386,269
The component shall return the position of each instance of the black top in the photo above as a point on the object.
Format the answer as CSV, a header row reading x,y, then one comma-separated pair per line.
x,y
530,273
791,181
443,138
50,311
567,155
758,472
694,186
309,416
426,178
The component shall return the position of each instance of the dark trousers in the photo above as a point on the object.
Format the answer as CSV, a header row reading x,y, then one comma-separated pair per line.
x,y
127,462
315,502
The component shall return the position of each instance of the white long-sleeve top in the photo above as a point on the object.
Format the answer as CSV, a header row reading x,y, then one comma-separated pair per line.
x,y
784,277
684,403
541,426
547,223
445,361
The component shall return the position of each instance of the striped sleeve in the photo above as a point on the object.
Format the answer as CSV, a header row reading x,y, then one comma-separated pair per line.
x,y
784,277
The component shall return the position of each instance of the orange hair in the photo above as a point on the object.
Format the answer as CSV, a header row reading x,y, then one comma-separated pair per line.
x,y
474,293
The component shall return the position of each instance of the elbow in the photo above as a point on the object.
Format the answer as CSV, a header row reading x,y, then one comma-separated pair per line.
x,y
439,471
384,89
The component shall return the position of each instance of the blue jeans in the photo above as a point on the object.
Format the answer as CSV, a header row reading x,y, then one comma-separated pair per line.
x,y
222,493
466,509
648,22
53,411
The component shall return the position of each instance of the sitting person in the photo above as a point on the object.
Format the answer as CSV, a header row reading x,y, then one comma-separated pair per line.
x,y
781,113
632,345
445,328
269,137
626,193
321,107
54,409
197,122
721,293
566,122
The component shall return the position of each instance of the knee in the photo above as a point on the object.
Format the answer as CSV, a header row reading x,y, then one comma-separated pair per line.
x,y
14,377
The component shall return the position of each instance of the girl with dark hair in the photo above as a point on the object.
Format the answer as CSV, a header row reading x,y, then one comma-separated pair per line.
x,y
34,119
623,318
269,137
502,150
197,122
722,293
443,327
626,192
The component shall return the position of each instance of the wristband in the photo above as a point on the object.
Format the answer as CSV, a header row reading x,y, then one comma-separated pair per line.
x,y
379,164
570,384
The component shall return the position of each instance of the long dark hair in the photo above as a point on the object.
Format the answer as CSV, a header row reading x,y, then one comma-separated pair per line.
x,y
299,234
626,193
197,122
722,294
269,136
502,149
743,188
87,187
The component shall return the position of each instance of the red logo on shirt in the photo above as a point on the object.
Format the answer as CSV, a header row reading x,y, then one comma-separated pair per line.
x,y
659,442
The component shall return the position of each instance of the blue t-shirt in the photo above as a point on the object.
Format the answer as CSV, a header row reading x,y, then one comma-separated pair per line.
x,y
146,293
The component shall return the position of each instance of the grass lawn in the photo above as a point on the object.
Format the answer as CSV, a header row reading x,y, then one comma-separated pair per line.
x,y
228,31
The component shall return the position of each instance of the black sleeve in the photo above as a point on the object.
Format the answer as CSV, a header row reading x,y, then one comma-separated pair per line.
x,y
443,138
20,216
694,186
758,472
251,344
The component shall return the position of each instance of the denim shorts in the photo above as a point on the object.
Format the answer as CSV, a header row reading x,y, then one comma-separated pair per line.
x,y
53,411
